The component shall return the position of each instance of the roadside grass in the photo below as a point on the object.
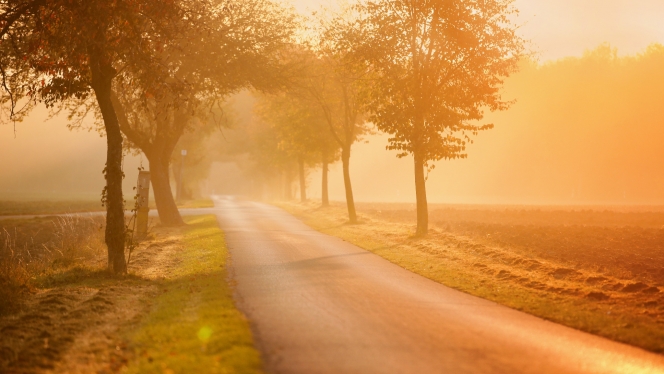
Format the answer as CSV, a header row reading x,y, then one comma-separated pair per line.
x,y
193,326
196,204
35,251
501,275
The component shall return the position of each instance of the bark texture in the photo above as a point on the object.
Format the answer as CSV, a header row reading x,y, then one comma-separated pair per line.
x,y
288,193
421,197
324,187
102,76
158,149
166,206
350,201
303,180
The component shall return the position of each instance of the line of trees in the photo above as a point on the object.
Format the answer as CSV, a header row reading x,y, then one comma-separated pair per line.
x,y
151,71
423,72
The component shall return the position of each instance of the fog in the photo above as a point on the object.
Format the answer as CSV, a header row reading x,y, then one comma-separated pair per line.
x,y
44,160
580,132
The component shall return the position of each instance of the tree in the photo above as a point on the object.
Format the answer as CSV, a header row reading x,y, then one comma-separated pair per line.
x,y
228,48
14,70
269,162
439,65
336,80
76,48
301,131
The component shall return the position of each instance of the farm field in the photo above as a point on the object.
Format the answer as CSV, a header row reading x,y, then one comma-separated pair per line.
x,y
42,207
597,269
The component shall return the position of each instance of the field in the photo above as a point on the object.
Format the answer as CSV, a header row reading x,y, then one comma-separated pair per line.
x,y
19,208
42,207
598,269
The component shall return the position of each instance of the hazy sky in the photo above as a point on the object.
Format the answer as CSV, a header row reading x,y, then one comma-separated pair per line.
x,y
561,28
45,158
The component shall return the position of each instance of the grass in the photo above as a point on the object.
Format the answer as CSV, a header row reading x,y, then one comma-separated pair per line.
x,y
196,204
495,274
194,326
34,250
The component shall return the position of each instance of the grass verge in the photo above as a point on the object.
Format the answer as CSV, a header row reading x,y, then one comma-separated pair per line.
x,y
535,285
196,204
193,326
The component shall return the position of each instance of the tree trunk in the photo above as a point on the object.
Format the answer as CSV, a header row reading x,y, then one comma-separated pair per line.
x,y
324,189
102,77
303,180
163,196
287,184
350,202
421,196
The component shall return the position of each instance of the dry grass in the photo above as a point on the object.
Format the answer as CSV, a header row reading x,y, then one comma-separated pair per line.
x,y
604,277
31,249
173,312
196,204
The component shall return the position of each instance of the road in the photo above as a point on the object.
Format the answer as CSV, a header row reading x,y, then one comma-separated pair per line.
x,y
318,304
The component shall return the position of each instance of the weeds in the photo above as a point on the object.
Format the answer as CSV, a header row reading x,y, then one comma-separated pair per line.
x,y
30,248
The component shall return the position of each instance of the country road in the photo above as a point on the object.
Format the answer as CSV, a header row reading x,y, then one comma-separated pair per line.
x,y
318,304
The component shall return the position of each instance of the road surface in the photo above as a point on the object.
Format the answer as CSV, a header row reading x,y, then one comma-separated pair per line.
x,y
318,304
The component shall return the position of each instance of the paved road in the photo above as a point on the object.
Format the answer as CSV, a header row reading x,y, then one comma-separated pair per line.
x,y
318,304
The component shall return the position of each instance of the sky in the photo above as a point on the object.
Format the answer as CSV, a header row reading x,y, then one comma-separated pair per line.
x,y
561,28
44,158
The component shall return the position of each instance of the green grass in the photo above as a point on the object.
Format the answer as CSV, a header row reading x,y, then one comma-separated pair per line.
x,y
194,326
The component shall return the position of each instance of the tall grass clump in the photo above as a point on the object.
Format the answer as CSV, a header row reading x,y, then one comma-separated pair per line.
x,y
32,248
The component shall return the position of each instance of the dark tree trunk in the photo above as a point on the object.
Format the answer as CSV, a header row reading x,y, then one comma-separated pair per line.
x,y
163,196
158,149
102,77
303,180
421,196
324,189
350,202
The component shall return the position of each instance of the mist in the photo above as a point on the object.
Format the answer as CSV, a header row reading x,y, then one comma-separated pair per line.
x,y
576,134
582,130
43,159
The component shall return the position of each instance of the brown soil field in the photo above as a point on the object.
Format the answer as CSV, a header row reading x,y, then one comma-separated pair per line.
x,y
598,269
626,244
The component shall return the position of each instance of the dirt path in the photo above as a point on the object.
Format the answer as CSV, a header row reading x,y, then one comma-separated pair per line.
x,y
76,327
319,304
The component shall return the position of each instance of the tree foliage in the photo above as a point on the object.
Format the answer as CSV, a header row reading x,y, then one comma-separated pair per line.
x,y
226,49
335,80
439,65
71,49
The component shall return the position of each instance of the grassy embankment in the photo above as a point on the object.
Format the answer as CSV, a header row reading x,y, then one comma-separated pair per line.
x,y
173,312
603,300
194,326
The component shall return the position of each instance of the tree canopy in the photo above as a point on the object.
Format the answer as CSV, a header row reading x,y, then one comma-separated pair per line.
x,y
438,66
